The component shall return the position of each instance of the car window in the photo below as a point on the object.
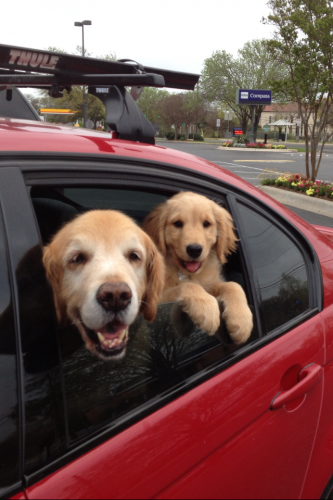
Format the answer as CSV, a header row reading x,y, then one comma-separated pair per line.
x,y
280,269
9,409
158,362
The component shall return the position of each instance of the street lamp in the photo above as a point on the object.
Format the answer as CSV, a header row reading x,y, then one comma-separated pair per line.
x,y
83,24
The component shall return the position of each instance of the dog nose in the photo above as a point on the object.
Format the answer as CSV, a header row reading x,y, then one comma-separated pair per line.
x,y
114,296
194,251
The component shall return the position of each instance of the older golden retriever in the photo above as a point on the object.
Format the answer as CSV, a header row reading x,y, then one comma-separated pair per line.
x,y
104,270
195,235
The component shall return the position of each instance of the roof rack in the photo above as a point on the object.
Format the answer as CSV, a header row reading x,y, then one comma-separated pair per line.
x,y
41,69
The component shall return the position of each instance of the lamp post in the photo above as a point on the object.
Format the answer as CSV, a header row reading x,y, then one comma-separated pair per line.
x,y
84,107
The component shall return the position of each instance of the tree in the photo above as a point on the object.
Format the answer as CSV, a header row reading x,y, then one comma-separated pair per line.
x,y
172,111
150,103
253,69
194,109
303,42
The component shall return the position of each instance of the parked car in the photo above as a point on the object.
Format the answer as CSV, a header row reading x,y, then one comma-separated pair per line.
x,y
178,417
187,416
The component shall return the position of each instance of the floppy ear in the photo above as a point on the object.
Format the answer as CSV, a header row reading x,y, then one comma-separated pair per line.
x,y
155,281
154,226
226,238
54,274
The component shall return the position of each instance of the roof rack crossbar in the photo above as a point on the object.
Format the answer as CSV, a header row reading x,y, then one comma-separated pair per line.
x,y
22,80
24,67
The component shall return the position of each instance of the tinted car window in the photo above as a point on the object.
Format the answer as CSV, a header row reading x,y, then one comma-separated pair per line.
x,y
44,413
9,412
158,360
280,268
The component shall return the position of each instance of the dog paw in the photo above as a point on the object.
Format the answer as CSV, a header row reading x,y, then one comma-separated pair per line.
x,y
239,326
204,314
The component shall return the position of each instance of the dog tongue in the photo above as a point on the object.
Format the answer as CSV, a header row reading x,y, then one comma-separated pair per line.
x,y
192,266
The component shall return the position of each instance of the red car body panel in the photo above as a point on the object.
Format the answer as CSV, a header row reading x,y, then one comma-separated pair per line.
x,y
220,439
327,231
229,414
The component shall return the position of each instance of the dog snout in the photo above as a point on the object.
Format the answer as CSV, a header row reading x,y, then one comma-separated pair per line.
x,y
194,251
114,296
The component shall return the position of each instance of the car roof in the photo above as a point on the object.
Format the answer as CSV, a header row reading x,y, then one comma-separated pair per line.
x,y
28,136
25,136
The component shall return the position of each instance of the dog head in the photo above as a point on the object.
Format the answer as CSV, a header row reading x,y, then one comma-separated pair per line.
x,y
188,227
104,270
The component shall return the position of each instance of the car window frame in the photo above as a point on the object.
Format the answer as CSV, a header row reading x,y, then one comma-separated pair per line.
x,y
93,172
306,250
11,181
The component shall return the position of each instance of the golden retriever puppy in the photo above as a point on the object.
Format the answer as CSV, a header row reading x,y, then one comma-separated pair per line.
x,y
195,235
104,270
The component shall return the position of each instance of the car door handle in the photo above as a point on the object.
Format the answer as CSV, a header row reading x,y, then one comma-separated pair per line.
x,y
308,378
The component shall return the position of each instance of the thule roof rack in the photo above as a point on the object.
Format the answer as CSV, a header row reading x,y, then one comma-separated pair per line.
x,y
41,69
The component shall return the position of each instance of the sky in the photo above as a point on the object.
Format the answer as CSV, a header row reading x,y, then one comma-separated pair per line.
x,y
173,34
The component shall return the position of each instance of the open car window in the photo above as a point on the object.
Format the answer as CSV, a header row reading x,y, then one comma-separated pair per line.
x,y
159,362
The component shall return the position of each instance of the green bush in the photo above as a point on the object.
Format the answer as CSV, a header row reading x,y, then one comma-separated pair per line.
x,y
268,182
241,139
170,136
181,137
196,137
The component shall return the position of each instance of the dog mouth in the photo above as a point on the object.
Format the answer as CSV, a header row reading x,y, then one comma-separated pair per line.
x,y
192,266
110,340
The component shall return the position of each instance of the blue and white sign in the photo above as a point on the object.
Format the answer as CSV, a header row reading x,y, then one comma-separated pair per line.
x,y
248,96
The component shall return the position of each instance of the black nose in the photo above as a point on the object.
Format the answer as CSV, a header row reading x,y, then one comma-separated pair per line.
x,y
194,251
114,296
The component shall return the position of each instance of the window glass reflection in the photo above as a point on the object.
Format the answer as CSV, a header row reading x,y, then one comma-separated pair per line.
x,y
280,268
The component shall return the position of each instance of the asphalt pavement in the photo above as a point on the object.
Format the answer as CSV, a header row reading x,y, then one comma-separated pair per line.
x,y
253,165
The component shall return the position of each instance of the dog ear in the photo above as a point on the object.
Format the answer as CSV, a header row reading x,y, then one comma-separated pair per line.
x,y
155,280
54,274
154,226
226,238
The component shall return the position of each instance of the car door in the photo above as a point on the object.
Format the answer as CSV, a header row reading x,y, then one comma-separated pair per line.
x,y
191,416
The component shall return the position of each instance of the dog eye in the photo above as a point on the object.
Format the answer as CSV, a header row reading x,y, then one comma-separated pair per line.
x,y
206,223
78,259
178,223
133,257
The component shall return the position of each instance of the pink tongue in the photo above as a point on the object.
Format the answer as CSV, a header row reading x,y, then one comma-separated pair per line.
x,y
111,336
192,266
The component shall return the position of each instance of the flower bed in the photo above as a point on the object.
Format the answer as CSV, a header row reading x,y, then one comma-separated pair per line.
x,y
296,183
253,145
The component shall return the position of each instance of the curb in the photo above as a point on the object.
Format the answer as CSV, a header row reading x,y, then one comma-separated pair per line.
x,y
254,150
314,205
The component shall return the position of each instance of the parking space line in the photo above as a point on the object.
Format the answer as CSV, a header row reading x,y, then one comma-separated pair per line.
x,y
244,166
267,161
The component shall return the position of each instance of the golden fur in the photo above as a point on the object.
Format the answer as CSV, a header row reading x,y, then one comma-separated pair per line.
x,y
104,249
203,223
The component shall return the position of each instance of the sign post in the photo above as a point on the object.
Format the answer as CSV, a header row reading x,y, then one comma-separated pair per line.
x,y
218,123
227,116
251,97
266,129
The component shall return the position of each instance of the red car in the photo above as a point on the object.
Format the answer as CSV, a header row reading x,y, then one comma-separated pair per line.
x,y
178,417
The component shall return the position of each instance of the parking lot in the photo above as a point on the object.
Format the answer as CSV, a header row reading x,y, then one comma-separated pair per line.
x,y
252,166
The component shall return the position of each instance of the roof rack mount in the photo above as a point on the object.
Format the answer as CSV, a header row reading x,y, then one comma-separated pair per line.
x,y
24,67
